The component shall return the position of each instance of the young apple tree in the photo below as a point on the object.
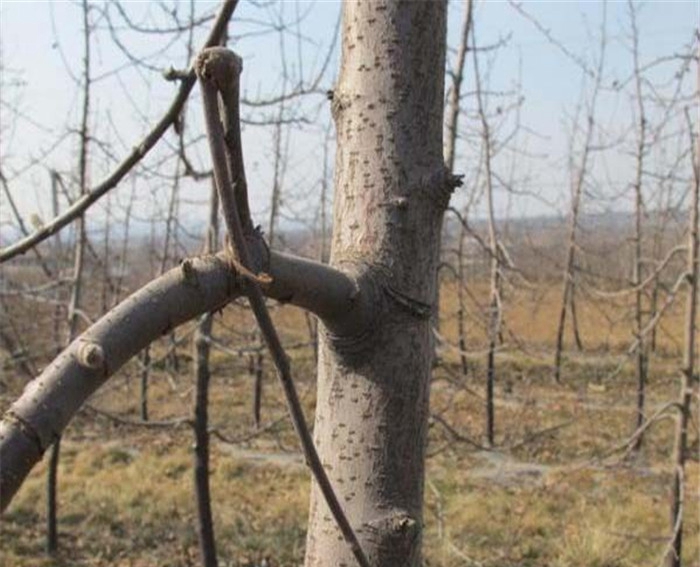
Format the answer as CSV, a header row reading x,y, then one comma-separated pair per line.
x,y
374,299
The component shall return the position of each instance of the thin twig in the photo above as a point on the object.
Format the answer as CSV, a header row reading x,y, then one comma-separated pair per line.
x,y
136,155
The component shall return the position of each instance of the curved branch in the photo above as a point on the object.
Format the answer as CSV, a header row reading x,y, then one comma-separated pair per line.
x,y
137,153
640,286
48,403
198,286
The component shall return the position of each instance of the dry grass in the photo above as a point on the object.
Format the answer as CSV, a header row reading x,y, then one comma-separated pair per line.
x,y
549,495
531,316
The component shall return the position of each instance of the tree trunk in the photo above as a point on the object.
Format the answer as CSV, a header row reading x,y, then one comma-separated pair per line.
x,y
143,390
75,300
205,523
638,263
577,192
461,327
574,319
688,378
391,190
453,109
495,311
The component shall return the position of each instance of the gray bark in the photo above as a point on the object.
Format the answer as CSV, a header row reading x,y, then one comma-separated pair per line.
x,y
688,378
638,275
202,347
76,293
453,110
391,190
495,310
198,286
577,191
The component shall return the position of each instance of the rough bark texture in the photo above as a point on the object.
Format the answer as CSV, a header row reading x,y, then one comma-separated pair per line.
x,y
391,190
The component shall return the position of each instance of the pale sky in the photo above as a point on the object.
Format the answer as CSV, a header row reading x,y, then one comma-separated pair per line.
x,y
42,46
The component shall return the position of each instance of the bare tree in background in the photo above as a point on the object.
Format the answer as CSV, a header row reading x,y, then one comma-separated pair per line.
x,y
637,271
453,111
688,377
580,172
495,307
78,275
202,373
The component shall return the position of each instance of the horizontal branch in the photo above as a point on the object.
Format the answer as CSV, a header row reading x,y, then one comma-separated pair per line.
x,y
650,278
197,286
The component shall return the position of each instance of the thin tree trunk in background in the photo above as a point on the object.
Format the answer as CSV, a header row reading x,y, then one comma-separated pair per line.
x,y
574,318
461,327
566,290
57,255
455,94
207,544
453,111
143,390
52,478
255,371
495,312
259,377
312,327
576,197
51,502
172,234
277,177
637,273
688,379
106,265
52,475
122,269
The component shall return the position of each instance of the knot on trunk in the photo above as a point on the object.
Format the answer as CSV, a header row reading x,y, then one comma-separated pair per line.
x,y
396,536
443,183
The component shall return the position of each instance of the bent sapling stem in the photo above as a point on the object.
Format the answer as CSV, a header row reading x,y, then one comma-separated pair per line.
x,y
219,71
